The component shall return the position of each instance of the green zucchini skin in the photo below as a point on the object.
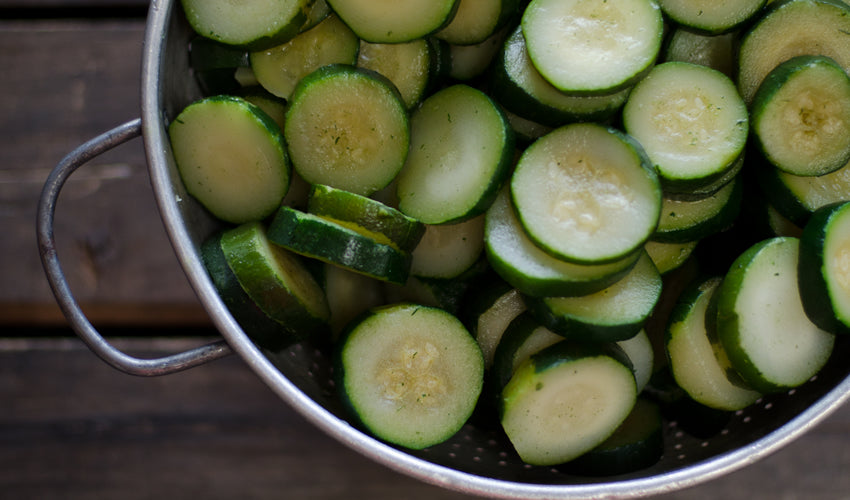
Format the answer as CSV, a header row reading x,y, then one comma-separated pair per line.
x,y
314,237
710,224
263,330
812,272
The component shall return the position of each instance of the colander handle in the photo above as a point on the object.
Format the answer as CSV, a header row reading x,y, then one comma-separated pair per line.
x,y
49,259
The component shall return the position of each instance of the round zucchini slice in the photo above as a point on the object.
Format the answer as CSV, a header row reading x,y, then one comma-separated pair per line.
x,y
347,128
394,22
801,116
411,374
586,193
231,157
566,400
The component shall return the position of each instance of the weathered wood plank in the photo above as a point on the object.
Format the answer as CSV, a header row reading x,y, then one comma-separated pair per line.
x,y
75,428
63,83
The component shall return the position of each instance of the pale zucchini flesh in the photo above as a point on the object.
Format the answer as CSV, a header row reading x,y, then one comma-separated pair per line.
x,y
691,121
586,194
331,141
254,25
447,250
407,65
718,16
588,46
392,22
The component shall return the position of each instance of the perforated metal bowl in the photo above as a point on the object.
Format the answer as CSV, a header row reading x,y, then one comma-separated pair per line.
x,y
475,461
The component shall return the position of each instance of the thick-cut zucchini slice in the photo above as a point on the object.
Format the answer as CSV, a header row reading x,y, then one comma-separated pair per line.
x,y
477,20
801,116
690,120
369,216
407,65
796,197
394,22
685,221
824,269
518,86
714,51
637,444
531,270
711,17
279,69
231,157
471,61
334,243
586,193
447,250
347,128
411,374
254,25
461,148
761,323
275,280
588,46
261,328
615,313
566,400
697,360
789,28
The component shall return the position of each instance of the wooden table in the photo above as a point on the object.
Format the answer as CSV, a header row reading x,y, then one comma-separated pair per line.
x,y
72,427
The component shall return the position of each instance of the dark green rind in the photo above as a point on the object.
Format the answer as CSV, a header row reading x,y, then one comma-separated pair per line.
x,y
812,274
270,294
600,328
516,334
314,237
371,214
207,54
265,331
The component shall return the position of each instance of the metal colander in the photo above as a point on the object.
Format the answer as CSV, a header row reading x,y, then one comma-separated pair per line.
x,y
477,460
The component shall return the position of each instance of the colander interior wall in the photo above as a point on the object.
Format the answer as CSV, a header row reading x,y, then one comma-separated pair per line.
x,y
479,459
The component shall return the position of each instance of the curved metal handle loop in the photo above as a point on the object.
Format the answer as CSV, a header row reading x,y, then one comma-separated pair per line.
x,y
59,285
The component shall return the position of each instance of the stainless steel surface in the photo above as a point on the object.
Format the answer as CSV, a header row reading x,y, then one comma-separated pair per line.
x,y
478,460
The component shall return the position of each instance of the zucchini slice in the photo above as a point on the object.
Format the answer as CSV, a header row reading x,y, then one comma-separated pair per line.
x,y
691,122
586,193
711,17
349,294
715,51
641,353
279,69
616,313
275,280
253,26
394,22
789,28
531,270
761,323
824,268
697,361
518,86
489,311
411,374
461,148
523,337
592,47
669,256
477,20
368,216
231,157
334,243
801,116
347,128
566,400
